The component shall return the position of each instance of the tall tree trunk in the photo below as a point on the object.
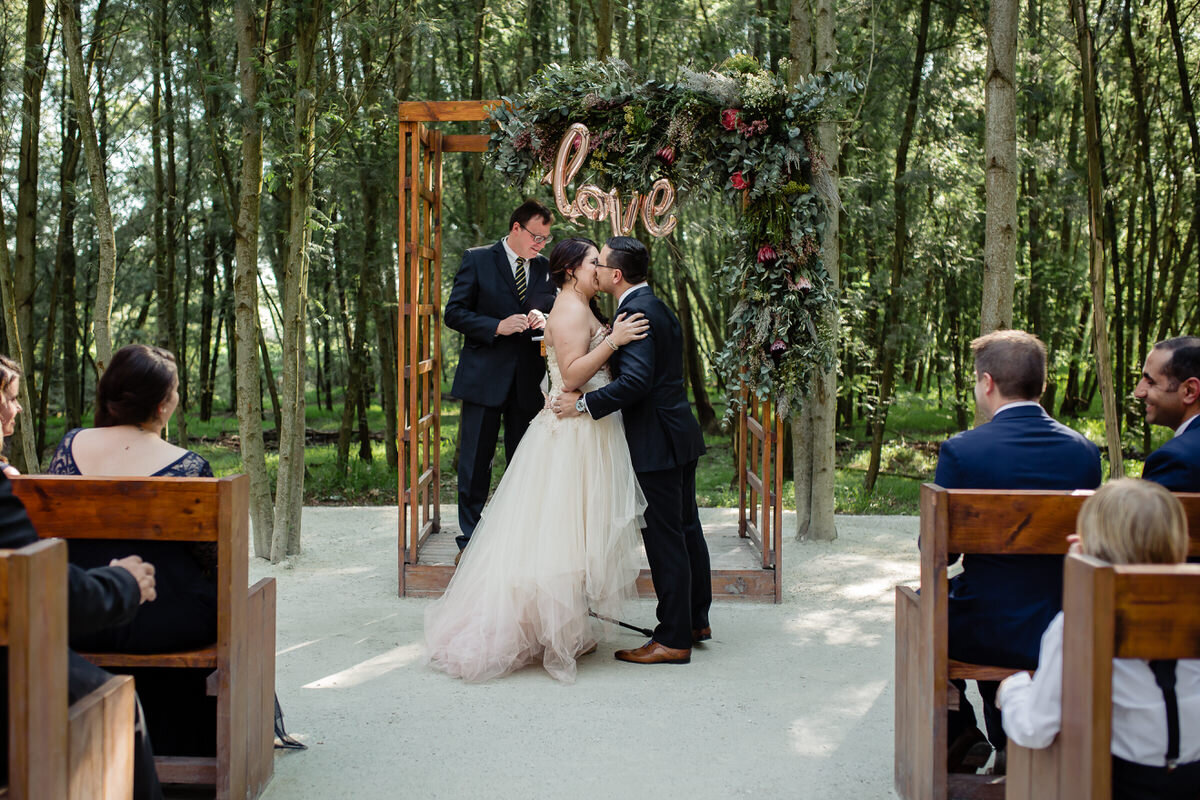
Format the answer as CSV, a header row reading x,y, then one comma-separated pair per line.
x,y
245,283
7,297
207,305
1000,241
1189,112
289,490
814,456
691,348
1096,266
602,18
65,264
24,264
105,235
890,332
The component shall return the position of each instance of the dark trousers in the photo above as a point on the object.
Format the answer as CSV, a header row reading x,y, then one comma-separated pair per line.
x,y
677,553
478,430
964,718
1140,782
85,677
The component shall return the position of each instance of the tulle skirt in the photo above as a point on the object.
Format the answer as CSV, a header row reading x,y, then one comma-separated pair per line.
x,y
559,537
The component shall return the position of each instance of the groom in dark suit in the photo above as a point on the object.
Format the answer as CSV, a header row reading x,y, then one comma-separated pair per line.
x,y
1000,605
1170,388
665,443
500,297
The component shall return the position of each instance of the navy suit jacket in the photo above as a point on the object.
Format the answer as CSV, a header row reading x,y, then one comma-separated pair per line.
x,y
484,293
1001,605
1176,465
647,387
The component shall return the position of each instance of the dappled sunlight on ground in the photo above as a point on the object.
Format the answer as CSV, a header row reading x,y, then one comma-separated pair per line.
x,y
370,669
823,729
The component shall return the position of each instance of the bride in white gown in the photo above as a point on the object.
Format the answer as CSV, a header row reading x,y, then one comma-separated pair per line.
x,y
560,534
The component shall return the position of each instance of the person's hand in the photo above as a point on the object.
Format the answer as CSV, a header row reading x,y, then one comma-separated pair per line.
x,y
510,325
536,320
564,405
629,329
142,572
1073,543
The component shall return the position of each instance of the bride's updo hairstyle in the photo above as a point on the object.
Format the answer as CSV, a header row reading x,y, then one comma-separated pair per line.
x,y
138,378
564,258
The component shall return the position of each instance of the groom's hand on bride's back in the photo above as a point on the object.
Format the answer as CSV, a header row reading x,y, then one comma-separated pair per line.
x,y
564,405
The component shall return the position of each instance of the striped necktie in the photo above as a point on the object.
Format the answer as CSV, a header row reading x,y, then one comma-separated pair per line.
x,y
520,276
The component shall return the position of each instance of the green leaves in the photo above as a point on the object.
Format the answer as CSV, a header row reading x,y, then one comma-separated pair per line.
x,y
739,130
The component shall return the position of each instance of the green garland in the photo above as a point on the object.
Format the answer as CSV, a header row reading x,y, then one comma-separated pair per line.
x,y
740,129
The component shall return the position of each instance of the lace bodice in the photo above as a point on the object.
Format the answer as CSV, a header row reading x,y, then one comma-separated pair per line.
x,y
602,377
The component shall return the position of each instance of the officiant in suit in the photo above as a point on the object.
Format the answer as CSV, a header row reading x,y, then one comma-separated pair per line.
x,y
1170,388
498,303
999,605
665,444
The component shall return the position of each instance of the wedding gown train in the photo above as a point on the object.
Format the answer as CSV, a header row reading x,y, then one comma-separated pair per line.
x,y
559,537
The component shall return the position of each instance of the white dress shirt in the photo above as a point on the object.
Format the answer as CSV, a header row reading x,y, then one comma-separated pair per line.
x,y
512,261
1033,706
1179,431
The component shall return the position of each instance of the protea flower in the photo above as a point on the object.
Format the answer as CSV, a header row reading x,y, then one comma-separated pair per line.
x,y
778,348
739,182
766,253
667,154
803,284
729,118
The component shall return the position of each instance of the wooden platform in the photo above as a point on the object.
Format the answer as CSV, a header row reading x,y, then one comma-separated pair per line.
x,y
737,572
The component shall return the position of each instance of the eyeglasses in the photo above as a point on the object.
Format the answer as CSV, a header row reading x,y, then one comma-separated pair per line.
x,y
537,237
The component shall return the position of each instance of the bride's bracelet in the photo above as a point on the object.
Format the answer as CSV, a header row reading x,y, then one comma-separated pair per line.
x,y
610,343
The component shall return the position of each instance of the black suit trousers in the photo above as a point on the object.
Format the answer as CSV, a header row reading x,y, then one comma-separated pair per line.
x,y
479,428
677,553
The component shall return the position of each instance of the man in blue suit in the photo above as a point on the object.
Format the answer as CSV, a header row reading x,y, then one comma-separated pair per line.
x,y
665,443
1000,605
1170,388
499,299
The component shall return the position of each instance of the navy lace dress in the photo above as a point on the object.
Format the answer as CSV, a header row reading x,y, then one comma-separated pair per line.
x,y
180,715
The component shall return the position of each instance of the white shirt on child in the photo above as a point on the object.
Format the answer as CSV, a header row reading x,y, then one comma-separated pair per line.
x,y
1033,706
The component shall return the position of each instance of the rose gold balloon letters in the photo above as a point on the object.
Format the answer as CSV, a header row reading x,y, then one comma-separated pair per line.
x,y
595,204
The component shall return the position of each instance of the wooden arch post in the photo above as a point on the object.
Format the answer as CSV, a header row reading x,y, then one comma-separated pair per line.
x,y
760,433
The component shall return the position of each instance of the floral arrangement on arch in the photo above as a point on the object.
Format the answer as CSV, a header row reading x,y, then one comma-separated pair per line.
x,y
738,129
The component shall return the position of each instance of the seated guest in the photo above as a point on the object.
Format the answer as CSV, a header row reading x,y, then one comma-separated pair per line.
x,y
1127,521
1170,388
10,405
999,605
135,397
96,598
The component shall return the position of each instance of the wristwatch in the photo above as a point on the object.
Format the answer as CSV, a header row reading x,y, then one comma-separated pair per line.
x,y
581,405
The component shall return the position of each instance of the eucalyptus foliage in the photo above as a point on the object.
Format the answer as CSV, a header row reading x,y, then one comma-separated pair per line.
x,y
738,129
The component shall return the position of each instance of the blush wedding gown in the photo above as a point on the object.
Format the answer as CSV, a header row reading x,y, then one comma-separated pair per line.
x,y
560,536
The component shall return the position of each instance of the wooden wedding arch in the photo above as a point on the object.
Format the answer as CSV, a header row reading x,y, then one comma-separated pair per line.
x,y
745,557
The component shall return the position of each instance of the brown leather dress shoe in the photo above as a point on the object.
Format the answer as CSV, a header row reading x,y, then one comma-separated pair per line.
x,y
701,634
457,556
654,653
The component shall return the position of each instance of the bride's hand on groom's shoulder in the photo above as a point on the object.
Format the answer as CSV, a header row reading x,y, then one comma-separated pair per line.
x,y
629,328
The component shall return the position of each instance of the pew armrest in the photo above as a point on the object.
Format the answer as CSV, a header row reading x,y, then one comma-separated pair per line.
x,y
100,743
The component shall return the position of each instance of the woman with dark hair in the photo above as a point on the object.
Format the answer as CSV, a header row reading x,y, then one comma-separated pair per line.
x,y
560,535
135,398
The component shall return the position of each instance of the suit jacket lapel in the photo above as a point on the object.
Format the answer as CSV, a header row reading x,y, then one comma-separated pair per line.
x,y
505,269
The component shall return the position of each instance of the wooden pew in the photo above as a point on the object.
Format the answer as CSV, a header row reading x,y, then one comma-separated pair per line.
x,y
965,521
1110,612
84,752
242,659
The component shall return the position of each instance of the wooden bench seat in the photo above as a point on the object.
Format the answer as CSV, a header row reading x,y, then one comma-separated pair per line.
x,y
965,521
242,659
57,752
1110,612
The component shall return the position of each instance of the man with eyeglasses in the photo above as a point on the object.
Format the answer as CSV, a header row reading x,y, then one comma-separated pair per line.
x,y
1170,388
498,302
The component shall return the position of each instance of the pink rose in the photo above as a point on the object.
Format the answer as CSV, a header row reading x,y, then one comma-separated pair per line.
x,y
729,118
738,181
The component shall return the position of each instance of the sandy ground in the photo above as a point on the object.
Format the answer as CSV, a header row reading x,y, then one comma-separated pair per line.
x,y
793,700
